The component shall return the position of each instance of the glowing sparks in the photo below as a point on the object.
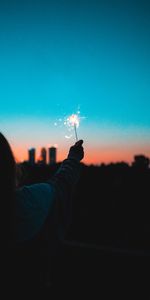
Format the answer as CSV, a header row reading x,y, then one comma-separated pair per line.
x,y
71,123
73,120
68,136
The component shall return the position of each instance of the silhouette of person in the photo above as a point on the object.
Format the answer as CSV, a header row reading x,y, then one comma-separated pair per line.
x,y
31,207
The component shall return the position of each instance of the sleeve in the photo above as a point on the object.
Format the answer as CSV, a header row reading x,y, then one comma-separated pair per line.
x,y
63,183
33,204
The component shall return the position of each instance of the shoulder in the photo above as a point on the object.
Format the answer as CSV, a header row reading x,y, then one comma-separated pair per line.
x,y
35,194
33,204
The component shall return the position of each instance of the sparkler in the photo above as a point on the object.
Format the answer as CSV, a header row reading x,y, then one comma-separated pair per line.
x,y
73,121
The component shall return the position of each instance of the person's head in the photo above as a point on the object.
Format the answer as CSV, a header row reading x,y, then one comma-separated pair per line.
x,y
7,164
7,183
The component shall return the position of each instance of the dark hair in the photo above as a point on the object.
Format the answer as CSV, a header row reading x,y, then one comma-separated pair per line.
x,y
7,190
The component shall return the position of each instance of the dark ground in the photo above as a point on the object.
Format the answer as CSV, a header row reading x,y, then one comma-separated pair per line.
x,y
111,217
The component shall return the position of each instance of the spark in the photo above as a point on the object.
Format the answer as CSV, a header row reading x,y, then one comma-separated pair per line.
x,y
73,121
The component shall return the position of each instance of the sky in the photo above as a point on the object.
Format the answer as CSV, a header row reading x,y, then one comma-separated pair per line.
x,y
58,57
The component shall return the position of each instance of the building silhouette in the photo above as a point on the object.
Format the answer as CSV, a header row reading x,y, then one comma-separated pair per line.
x,y
43,156
52,155
31,156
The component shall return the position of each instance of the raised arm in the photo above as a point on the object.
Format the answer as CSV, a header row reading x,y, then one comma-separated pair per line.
x,y
64,182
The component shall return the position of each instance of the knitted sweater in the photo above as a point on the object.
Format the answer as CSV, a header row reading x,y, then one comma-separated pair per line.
x,y
50,200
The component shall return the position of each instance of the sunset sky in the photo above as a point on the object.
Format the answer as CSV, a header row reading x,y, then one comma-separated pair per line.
x,y
61,56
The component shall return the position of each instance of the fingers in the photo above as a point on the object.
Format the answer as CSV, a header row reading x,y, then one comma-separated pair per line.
x,y
79,143
77,151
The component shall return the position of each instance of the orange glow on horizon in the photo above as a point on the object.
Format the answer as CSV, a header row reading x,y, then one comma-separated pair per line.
x,y
92,155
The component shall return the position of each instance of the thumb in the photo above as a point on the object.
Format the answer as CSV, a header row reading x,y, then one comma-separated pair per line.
x,y
79,143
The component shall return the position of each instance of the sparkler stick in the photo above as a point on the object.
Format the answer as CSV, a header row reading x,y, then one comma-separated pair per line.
x,y
75,129
73,121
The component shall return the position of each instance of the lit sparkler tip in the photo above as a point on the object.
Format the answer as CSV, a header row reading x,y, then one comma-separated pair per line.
x,y
73,120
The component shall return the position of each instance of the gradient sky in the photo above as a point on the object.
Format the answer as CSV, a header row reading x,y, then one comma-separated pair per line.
x,y
56,56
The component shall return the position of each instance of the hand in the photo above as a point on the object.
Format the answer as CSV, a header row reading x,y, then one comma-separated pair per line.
x,y
76,151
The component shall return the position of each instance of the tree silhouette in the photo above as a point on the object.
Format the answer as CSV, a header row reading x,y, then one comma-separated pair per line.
x,y
141,162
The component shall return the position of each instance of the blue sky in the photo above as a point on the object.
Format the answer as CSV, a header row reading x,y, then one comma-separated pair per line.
x,y
58,55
